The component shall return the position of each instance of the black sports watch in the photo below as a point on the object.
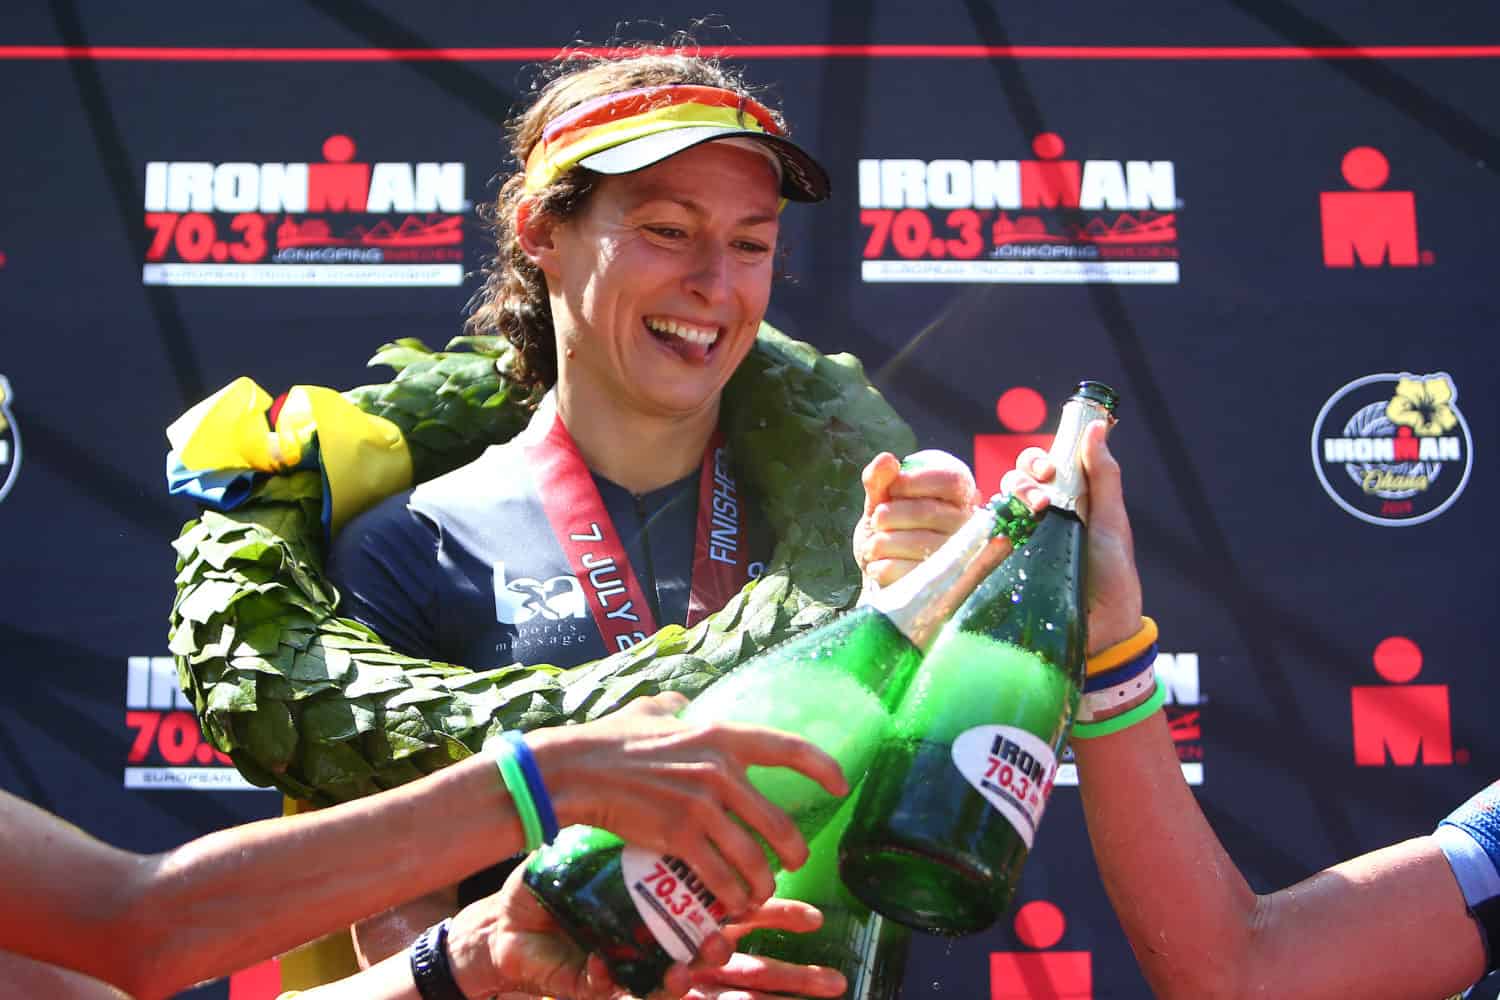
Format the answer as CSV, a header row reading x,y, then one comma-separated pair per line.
x,y
429,965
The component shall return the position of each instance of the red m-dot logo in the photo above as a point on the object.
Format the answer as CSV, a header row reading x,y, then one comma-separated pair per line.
x,y
1020,410
1367,225
1401,723
1041,974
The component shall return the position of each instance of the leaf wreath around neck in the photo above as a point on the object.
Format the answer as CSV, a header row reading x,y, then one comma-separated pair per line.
x,y
321,708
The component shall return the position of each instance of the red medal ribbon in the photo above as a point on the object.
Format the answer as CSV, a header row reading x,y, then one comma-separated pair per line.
x,y
720,563
593,547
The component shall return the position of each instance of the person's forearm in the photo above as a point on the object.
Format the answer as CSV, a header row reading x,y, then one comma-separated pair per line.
x,y
1389,924
1184,906
378,937
243,894
25,977
389,980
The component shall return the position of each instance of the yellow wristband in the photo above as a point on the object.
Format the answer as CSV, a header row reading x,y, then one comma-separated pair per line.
x,y
1125,650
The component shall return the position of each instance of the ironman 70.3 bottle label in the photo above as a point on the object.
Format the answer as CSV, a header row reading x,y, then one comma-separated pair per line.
x,y
671,899
1012,769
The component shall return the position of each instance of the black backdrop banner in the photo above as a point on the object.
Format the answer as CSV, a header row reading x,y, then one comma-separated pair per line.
x,y
1263,222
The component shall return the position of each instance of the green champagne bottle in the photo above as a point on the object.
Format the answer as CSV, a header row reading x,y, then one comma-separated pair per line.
x,y
946,818
867,948
835,685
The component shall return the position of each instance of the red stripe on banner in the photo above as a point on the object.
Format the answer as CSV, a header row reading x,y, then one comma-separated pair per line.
x,y
1220,53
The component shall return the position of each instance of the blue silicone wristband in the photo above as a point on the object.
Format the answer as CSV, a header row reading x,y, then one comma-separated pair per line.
x,y
539,796
1119,675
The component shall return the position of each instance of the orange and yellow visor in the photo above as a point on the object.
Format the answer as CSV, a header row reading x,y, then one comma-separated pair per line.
x,y
629,131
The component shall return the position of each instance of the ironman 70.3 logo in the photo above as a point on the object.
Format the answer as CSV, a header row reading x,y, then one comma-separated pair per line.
x,y
1049,220
340,222
167,747
1393,449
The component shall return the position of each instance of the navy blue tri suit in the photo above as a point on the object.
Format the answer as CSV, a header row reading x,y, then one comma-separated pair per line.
x,y
465,569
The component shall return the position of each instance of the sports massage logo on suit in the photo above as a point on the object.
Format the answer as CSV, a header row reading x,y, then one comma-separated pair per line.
x,y
1048,220
167,748
1393,449
341,222
10,441
554,609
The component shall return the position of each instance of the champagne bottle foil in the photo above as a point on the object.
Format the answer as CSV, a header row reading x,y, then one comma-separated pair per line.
x,y
919,603
1069,489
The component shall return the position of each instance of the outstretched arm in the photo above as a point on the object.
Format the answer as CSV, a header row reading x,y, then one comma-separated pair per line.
x,y
237,895
26,977
1392,923
246,893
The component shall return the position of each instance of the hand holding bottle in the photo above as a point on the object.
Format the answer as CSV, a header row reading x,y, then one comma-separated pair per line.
x,y
947,817
1114,592
676,787
911,507
836,685
509,944
744,976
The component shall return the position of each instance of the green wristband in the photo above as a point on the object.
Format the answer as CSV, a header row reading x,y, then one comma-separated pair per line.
x,y
1147,708
515,783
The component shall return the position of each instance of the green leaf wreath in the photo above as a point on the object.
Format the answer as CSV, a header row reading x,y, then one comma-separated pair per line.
x,y
319,707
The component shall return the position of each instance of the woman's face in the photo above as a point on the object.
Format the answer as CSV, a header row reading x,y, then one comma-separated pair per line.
x,y
660,283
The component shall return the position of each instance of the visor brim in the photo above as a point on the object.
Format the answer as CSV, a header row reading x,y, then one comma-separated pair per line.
x,y
802,177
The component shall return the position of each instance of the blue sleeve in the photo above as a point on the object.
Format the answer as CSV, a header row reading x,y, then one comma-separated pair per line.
x,y
1470,839
384,565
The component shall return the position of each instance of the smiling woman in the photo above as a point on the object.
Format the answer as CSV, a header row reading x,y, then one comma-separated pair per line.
x,y
657,289
635,253
618,546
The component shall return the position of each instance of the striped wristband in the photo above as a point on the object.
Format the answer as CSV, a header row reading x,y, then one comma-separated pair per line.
x,y
1108,692
539,797
1119,675
515,782
1141,712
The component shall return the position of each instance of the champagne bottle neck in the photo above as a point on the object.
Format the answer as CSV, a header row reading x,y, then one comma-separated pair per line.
x,y
1069,489
1035,599
919,603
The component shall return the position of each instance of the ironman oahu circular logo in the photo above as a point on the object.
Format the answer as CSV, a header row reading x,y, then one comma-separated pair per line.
x,y
1393,449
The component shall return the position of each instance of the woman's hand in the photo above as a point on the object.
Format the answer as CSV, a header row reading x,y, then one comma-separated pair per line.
x,y
755,977
680,788
1114,583
911,507
509,943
